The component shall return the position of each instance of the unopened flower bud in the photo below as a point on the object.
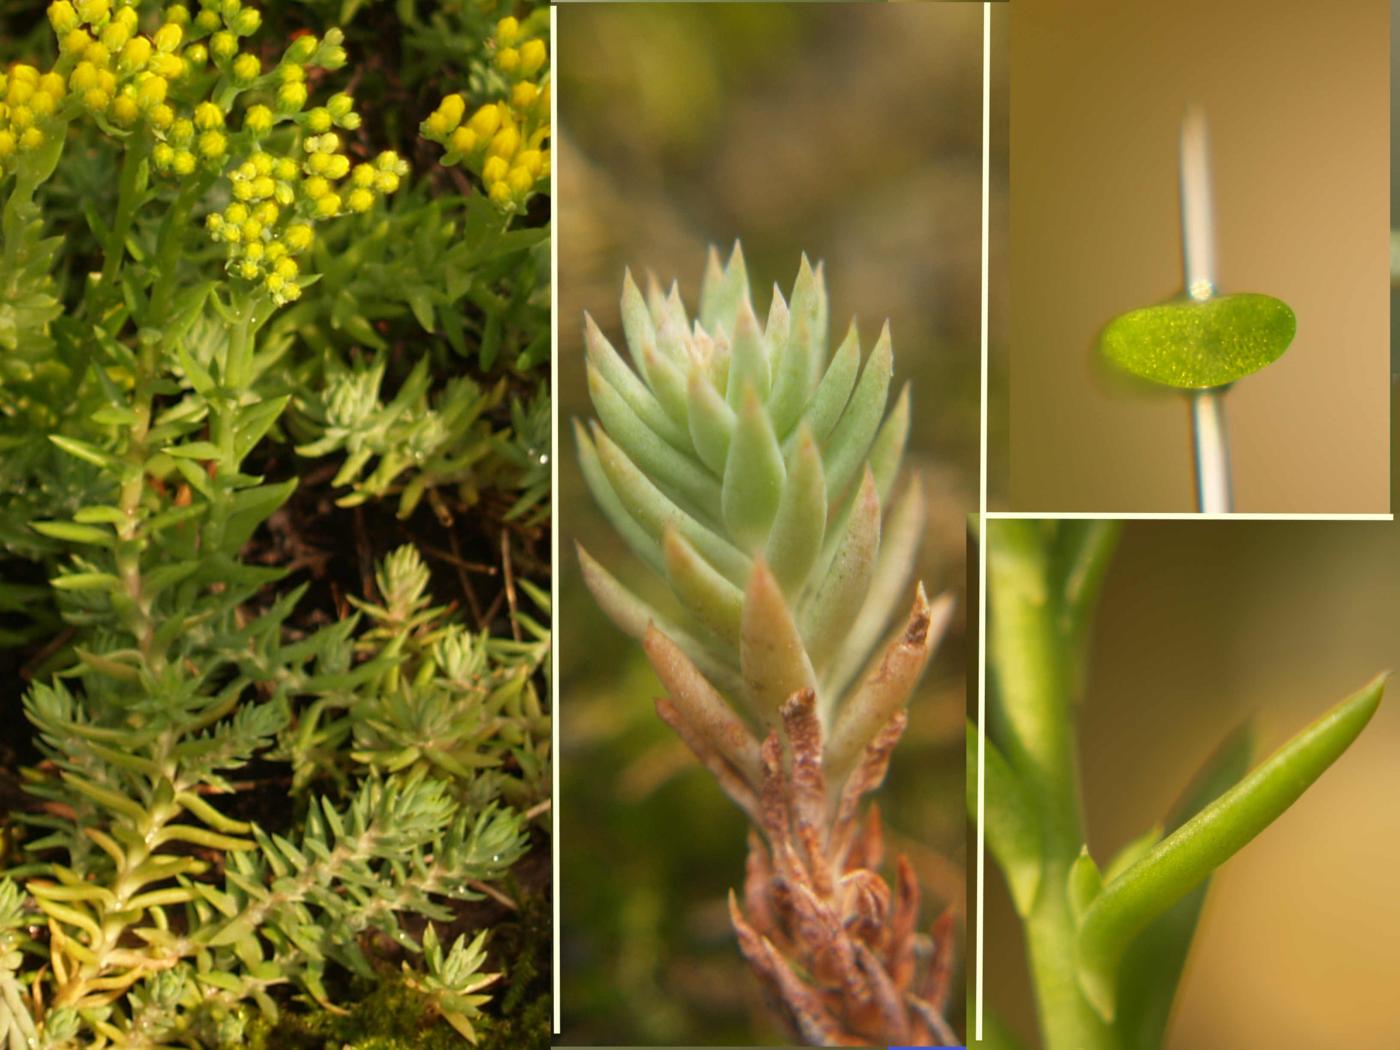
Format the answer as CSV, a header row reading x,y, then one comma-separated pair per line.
x,y
168,37
246,68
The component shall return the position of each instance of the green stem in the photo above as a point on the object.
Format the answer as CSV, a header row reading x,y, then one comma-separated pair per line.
x,y
130,186
1034,685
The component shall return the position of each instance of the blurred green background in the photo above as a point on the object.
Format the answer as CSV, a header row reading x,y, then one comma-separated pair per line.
x,y
1203,625
852,133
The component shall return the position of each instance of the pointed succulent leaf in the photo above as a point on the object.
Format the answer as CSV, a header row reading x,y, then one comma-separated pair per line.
x,y
901,533
630,387
668,383
1153,964
723,290
691,692
771,654
704,593
826,612
1135,850
888,448
753,475
1083,884
802,357
834,390
850,441
748,359
887,686
633,616
654,511
637,325
1011,823
643,543
795,541
712,421
1188,855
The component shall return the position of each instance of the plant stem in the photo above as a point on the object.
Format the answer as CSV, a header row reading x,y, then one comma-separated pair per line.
x,y
130,185
1034,684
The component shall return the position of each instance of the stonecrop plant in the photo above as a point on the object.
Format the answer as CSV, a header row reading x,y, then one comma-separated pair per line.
x,y
1107,943
758,476
251,800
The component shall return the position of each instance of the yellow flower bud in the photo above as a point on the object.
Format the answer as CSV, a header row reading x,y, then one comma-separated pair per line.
x,y
168,37
303,47
96,99
274,283
507,31
386,182
291,72
98,55
494,170
507,60
223,45
62,17
246,22
316,187
42,104
285,169
531,160
464,140
258,120
276,250
267,213
253,251
360,200
115,36
94,12
236,214
151,92
520,181
292,292
21,117
261,163
134,55
500,193
337,165
533,56
319,120
31,139
232,234
299,237
163,156
196,55
246,68
128,17
452,107
207,21
161,117
523,95
125,111
208,117
212,145
242,190
263,187
171,67
7,143
286,268
249,269
183,163
181,132
328,205
505,143
51,84
252,230
83,77
340,106
486,120
74,42
291,97
107,81
178,14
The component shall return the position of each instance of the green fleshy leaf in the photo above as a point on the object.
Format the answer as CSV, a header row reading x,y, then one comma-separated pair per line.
x,y
749,366
850,441
1187,856
802,359
1083,884
1196,345
722,290
826,613
1153,964
795,541
712,421
753,475
705,594
835,387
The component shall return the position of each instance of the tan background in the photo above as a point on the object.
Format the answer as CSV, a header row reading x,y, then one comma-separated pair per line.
x,y
1202,625
1296,95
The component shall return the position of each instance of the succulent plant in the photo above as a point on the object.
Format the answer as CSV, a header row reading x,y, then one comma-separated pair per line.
x,y
757,475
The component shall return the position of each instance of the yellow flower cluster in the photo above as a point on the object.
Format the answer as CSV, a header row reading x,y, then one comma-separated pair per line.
x,y
505,142
28,101
278,201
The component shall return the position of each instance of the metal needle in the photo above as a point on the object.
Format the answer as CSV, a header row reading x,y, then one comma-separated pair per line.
x,y
1208,434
